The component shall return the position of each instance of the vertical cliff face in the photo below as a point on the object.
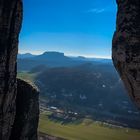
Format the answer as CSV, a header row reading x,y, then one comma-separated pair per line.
x,y
10,24
126,46
19,109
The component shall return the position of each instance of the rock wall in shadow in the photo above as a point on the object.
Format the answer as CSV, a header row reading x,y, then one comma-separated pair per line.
x,y
21,108
10,24
126,46
27,112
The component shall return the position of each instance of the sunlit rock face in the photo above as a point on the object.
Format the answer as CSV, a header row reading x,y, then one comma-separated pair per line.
x,y
126,46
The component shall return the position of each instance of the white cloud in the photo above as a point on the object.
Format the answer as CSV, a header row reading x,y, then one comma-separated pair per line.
x,y
96,11
109,8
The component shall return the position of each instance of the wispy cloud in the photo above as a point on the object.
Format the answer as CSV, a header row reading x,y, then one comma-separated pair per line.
x,y
96,11
109,8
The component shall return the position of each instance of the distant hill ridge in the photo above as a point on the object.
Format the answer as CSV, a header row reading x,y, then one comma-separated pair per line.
x,y
26,55
27,61
52,56
55,54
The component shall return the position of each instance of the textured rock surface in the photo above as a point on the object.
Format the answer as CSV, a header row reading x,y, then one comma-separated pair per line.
x,y
10,24
18,112
126,46
27,112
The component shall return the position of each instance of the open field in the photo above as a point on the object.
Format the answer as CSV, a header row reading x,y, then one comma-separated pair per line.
x,y
87,130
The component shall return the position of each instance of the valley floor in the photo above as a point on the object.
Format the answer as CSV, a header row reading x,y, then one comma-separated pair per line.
x,y
86,130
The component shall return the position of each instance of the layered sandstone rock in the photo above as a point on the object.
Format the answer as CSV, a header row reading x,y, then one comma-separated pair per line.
x,y
126,46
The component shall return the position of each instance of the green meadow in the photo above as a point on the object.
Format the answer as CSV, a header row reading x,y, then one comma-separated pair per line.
x,y
86,130
29,77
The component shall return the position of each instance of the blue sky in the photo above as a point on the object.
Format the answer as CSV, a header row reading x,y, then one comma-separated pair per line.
x,y
75,27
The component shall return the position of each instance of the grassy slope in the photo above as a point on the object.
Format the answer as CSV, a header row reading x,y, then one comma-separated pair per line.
x,y
26,76
85,131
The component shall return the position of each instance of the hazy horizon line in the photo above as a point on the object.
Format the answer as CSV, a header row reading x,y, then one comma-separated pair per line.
x,y
66,54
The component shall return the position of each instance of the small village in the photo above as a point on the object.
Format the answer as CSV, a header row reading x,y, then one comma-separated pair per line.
x,y
58,114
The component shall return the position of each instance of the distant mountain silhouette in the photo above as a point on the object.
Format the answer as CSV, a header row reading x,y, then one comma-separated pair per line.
x,y
26,55
53,59
52,56
81,58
